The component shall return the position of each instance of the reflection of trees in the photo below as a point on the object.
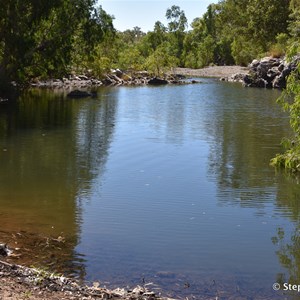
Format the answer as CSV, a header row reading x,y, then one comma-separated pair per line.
x,y
95,124
286,240
169,115
50,149
287,198
289,256
244,138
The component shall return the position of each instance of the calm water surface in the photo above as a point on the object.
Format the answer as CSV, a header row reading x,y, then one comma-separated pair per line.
x,y
169,185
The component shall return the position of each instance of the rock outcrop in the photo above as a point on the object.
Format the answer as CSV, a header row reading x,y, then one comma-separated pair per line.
x,y
270,72
115,78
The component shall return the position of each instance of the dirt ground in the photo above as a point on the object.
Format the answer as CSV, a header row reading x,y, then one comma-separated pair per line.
x,y
14,289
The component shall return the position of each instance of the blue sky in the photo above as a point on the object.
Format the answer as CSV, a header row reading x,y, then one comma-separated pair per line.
x,y
144,13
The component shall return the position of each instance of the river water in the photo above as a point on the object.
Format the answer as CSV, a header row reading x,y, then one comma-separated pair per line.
x,y
165,185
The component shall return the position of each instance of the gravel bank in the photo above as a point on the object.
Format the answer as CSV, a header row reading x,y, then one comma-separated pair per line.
x,y
216,71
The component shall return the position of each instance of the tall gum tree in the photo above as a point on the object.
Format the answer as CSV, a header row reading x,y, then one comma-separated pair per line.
x,y
176,27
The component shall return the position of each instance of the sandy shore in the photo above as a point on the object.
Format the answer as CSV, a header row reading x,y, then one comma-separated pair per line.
x,y
215,71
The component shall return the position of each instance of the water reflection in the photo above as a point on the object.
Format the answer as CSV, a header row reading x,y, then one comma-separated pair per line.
x,y
157,196
246,134
169,184
286,239
44,171
239,156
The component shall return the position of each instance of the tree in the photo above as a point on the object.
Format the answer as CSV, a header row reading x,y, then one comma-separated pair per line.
x,y
161,60
132,36
290,100
152,39
130,58
206,51
37,37
266,19
243,50
176,26
246,28
177,18
158,35
92,44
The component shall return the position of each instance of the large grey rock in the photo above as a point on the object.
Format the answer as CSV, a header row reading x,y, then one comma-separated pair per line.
x,y
80,94
270,72
4,250
157,81
238,77
252,80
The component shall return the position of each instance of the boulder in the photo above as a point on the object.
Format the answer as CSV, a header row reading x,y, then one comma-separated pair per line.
x,y
279,82
107,81
254,64
80,94
118,73
157,81
4,250
82,77
252,80
261,83
238,77
270,72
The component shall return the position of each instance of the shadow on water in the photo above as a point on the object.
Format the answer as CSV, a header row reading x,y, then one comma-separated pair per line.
x,y
246,180
41,179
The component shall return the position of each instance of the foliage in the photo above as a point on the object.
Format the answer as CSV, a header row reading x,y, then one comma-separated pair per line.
x,y
243,51
206,51
130,58
132,36
177,19
93,51
243,30
280,47
161,60
176,27
266,19
38,39
290,101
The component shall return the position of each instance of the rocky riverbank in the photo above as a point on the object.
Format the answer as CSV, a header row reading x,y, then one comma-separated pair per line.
x,y
115,78
267,72
270,72
18,282
120,78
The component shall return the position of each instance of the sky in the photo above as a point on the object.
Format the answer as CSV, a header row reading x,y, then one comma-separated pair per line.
x,y
144,13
